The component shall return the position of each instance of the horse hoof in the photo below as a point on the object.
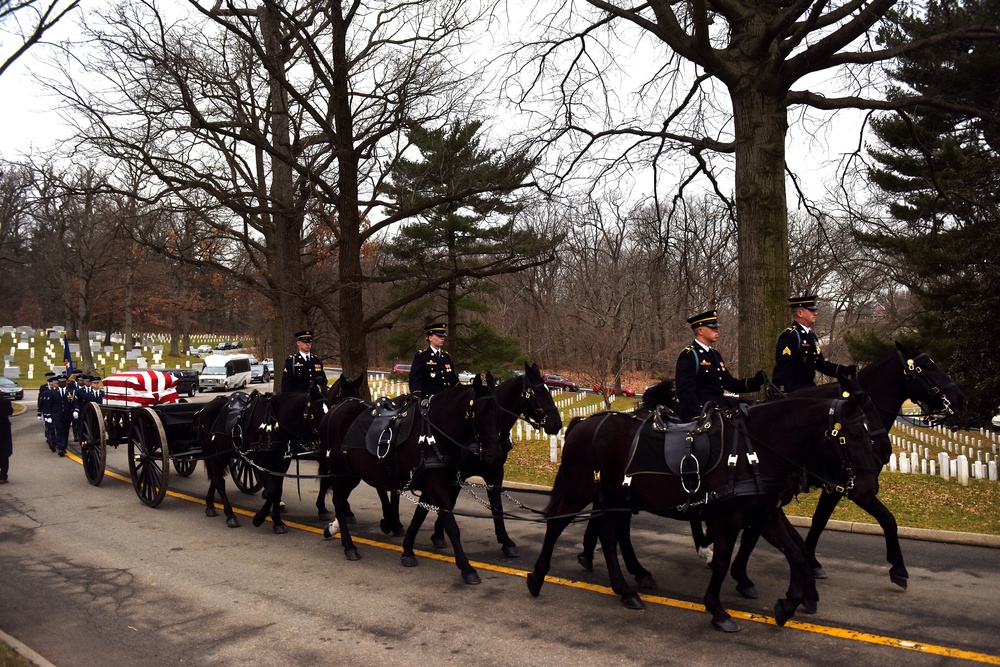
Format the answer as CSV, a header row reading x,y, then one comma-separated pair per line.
x,y
586,563
646,581
326,515
510,551
783,610
749,591
387,529
331,529
898,580
438,542
535,584
211,511
351,519
398,530
809,606
819,573
471,578
281,507
280,529
633,601
258,521
351,553
726,625
409,561
233,522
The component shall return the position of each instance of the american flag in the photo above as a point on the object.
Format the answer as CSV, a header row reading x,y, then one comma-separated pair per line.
x,y
140,388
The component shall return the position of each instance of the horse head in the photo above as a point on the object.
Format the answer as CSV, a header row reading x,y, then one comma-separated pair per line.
x,y
484,412
344,387
535,402
851,451
928,385
661,393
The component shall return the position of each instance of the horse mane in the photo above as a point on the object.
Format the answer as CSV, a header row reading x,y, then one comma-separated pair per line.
x,y
662,393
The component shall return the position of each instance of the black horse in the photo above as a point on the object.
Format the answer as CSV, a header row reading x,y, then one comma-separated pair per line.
x,y
905,374
343,389
525,396
451,425
774,443
216,446
272,430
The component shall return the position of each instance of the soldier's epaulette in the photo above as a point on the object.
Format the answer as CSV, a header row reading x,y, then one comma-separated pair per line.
x,y
689,348
791,329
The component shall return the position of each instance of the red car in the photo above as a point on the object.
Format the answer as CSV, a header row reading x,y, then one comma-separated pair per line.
x,y
401,368
609,389
560,382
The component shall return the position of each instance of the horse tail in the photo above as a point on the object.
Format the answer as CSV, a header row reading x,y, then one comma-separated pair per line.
x,y
558,492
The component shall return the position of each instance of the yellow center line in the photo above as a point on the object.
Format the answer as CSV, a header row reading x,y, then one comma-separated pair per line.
x,y
842,633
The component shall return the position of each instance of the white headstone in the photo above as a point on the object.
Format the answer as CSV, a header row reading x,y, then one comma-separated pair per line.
x,y
963,470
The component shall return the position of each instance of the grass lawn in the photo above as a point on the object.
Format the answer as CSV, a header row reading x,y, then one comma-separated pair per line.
x,y
917,501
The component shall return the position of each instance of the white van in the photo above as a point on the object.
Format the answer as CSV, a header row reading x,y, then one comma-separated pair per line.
x,y
225,371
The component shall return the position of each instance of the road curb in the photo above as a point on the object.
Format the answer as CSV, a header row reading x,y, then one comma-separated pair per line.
x,y
925,534
25,652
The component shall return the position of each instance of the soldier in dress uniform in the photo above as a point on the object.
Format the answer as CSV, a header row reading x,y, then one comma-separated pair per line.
x,y
60,401
81,395
701,371
798,356
43,409
303,369
432,369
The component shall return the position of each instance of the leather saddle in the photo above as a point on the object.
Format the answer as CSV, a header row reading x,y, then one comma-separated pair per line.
x,y
688,451
230,413
382,428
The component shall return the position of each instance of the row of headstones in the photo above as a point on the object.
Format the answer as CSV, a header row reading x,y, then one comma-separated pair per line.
x,y
957,468
926,432
913,440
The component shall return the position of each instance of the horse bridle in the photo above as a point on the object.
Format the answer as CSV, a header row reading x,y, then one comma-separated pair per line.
x,y
833,434
539,415
914,373
470,415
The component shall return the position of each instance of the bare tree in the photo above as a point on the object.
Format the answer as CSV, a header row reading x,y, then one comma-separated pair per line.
x,y
722,81
27,21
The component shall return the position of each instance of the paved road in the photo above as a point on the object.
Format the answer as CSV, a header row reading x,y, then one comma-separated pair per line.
x,y
92,577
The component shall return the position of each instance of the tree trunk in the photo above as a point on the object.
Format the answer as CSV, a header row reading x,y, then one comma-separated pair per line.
x,y
761,125
86,361
353,341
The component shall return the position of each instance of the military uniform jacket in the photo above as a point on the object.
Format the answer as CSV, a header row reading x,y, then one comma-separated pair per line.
x,y
797,357
60,404
300,373
43,395
702,377
431,373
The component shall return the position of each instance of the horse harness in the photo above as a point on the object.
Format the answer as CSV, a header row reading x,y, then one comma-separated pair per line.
x,y
912,372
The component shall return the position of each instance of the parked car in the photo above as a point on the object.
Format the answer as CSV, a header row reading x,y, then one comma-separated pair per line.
x,y
560,382
465,377
187,380
235,345
11,389
259,373
225,372
609,389
203,350
401,368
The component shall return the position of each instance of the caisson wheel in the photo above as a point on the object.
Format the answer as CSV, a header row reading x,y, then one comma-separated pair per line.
x,y
148,462
93,443
244,476
184,467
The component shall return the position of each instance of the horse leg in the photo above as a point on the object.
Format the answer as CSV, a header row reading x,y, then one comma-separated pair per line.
x,y
726,529
324,488
586,557
824,510
553,529
494,491
744,585
277,508
342,486
437,537
261,516
390,522
436,492
611,528
217,474
409,558
777,530
702,539
642,576
893,553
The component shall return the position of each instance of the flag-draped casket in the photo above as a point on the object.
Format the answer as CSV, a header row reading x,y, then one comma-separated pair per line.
x,y
139,388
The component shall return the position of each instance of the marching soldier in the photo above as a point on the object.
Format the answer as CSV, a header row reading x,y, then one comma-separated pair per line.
x,y
303,369
432,370
60,403
701,372
43,409
798,355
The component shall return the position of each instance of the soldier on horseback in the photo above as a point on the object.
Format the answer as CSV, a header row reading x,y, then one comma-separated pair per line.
x,y
432,370
303,369
701,372
798,355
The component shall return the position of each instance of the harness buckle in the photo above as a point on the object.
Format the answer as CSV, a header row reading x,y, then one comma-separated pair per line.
x,y
752,458
732,460
627,481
